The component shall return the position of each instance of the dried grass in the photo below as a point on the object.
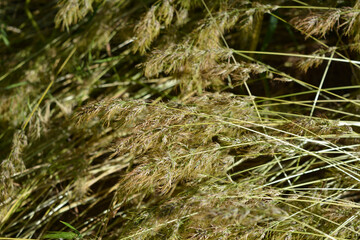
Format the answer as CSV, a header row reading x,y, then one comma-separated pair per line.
x,y
134,133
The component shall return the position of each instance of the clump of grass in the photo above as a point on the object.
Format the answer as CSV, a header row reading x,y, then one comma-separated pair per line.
x,y
159,120
201,158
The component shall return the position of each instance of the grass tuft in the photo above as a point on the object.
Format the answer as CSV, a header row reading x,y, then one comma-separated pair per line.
x,y
179,119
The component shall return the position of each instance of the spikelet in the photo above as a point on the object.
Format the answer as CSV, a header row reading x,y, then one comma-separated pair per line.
x,y
315,61
317,24
72,11
13,165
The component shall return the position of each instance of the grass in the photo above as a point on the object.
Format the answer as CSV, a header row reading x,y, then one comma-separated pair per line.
x,y
165,120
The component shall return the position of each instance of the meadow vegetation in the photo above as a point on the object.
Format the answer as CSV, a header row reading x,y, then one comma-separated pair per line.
x,y
179,119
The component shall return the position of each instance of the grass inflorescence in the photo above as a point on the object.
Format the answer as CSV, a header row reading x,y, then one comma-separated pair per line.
x,y
179,119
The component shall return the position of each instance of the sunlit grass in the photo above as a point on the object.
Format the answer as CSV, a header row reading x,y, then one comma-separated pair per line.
x,y
119,128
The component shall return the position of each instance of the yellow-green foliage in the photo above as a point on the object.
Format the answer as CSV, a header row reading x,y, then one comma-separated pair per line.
x,y
164,120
